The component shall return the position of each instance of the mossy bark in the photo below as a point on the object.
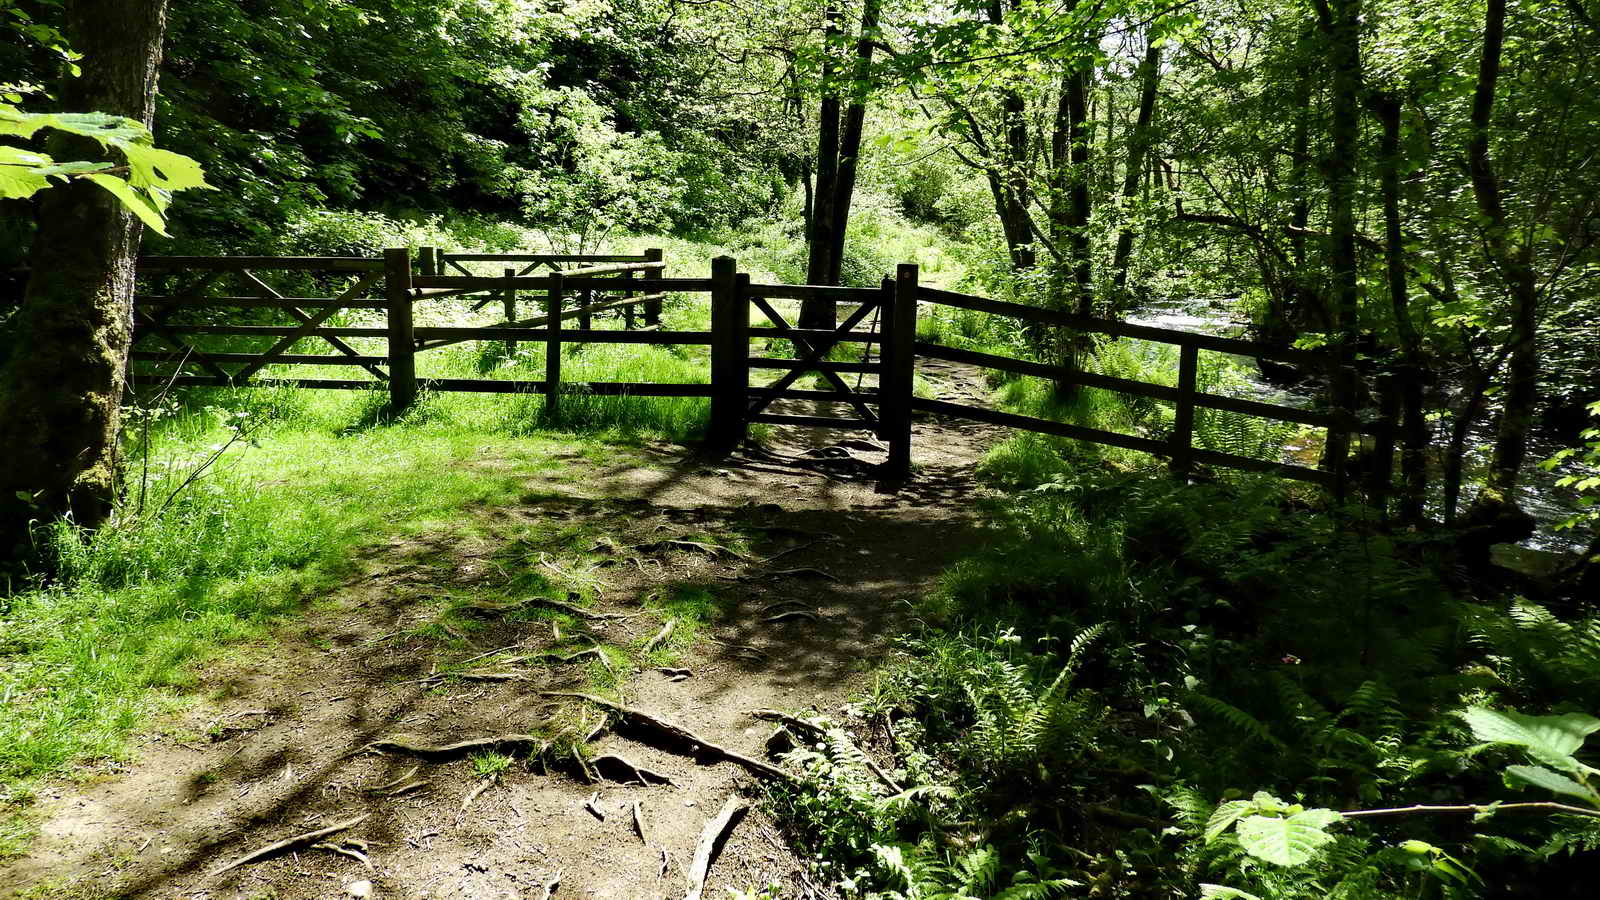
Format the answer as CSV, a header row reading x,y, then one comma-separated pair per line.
x,y
61,387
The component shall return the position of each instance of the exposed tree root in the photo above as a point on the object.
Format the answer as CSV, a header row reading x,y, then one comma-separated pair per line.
x,y
792,615
299,840
661,636
635,772
472,795
676,733
593,806
710,839
404,743
803,571
638,823
356,850
395,783
814,731
550,885
713,551
781,604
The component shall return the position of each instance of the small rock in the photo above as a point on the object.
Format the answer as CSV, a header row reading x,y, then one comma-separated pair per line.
x,y
358,889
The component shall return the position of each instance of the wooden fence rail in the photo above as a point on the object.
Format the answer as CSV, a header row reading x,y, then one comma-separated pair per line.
x,y
597,284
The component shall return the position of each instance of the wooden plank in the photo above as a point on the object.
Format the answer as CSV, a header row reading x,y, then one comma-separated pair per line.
x,y
239,263
865,395
899,365
402,340
652,309
730,345
594,388
1247,464
552,350
1183,417
814,349
310,321
814,292
1041,426
279,302
854,337
169,333
270,330
286,359
475,283
495,333
815,421
1124,329
542,258
618,269
762,362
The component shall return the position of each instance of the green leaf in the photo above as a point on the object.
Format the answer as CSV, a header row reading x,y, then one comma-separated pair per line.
x,y
154,167
1223,892
135,201
1555,782
1550,739
109,130
1287,841
1223,817
19,180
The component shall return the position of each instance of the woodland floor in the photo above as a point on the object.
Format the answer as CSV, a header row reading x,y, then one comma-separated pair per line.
x,y
278,746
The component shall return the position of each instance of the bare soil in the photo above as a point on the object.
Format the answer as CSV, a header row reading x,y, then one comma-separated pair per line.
x,y
281,745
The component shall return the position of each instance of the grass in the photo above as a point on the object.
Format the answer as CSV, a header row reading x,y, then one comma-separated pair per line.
x,y
691,606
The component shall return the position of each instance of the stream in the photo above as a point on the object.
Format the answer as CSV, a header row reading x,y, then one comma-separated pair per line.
x,y
1549,504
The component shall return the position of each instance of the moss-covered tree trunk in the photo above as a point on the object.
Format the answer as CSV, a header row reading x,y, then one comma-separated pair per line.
x,y
61,385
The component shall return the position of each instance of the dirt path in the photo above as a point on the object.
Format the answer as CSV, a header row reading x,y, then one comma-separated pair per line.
x,y
277,749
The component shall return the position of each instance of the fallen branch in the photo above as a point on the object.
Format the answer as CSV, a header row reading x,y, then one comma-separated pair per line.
x,y
471,796
299,840
356,850
715,831
392,784
403,743
638,823
593,806
676,732
802,571
661,636
713,551
791,615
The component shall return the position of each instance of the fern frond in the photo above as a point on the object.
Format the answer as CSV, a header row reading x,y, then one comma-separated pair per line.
x,y
1236,718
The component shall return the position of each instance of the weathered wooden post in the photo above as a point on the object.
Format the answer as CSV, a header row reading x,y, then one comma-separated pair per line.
x,y
402,340
1183,416
511,307
428,260
552,349
652,309
585,300
899,367
730,355
627,294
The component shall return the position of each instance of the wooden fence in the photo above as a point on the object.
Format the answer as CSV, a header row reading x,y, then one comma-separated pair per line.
x,y
618,284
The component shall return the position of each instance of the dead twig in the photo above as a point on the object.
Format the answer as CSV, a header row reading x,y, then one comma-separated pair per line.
x,y
391,785
792,615
661,636
472,795
638,823
356,850
404,743
675,733
593,806
710,839
299,840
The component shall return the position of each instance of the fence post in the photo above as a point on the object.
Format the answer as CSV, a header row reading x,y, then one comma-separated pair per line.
x,y
585,300
428,260
899,366
627,294
1183,417
730,355
402,341
652,310
511,308
552,349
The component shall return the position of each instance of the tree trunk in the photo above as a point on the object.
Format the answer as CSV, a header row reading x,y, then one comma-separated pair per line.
x,y
61,388
1344,38
1514,260
850,139
1138,147
1414,426
820,313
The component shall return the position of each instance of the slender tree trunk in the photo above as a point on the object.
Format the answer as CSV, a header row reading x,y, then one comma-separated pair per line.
x,y
820,313
61,389
1344,38
1414,426
1138,147
850,138
1514,260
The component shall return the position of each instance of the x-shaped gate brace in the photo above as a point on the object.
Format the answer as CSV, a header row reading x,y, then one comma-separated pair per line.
x,y
812,354
309,322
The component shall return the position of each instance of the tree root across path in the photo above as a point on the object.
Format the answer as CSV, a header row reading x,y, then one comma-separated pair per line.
x,y
299,840
715,831
676,733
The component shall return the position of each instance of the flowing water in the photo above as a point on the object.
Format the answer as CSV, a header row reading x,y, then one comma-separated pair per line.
x,y
1548,503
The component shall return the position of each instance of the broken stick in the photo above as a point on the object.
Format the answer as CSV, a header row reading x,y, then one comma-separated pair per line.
x,y
676,732
310,837
710,839
661,636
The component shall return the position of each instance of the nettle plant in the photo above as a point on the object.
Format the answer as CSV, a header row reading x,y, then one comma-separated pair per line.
x,y
1290,835
143,181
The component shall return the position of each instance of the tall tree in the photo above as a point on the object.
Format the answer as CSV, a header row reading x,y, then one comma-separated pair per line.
x,y
61,388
